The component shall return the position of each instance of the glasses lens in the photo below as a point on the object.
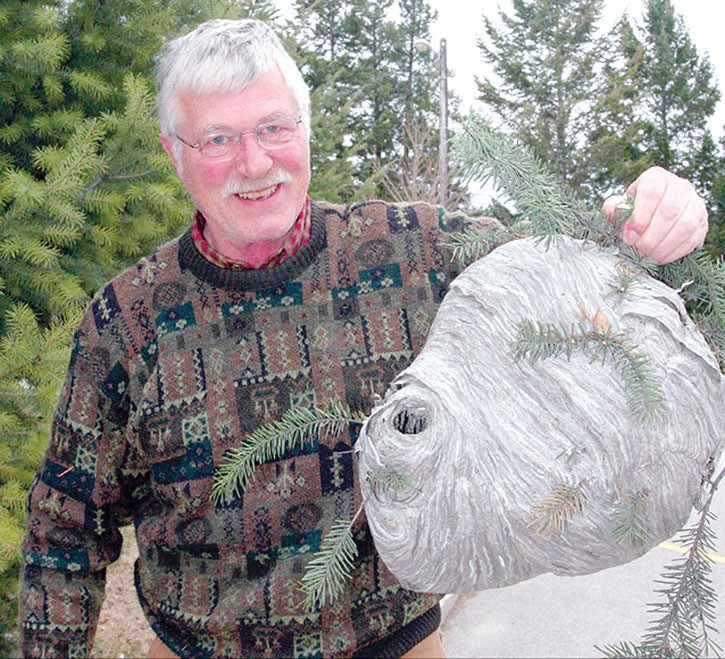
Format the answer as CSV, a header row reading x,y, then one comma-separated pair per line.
x,y
218,145
274,134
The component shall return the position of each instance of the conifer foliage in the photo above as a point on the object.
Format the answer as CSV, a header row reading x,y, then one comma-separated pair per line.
x,y
371,79
602,103
545,55
85,187
85,190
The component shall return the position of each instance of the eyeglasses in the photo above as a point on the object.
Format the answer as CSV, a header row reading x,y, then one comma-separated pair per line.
x,y
224,144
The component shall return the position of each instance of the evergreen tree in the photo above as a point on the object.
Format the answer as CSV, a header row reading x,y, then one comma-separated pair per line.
x,y
679,100
418,118
716,236
418,65
375,47
315,39
680,96
653,108
86,188
365,75
545,57
395,81
614,153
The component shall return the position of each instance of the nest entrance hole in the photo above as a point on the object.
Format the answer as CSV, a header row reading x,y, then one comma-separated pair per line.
x,y
410,422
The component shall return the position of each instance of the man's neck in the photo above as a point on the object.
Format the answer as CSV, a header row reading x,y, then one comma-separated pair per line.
x,y
252,255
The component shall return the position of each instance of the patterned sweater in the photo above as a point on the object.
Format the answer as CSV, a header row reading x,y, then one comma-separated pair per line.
x,y
174,363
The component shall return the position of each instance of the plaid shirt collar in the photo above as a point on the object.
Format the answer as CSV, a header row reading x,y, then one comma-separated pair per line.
x,y
299,236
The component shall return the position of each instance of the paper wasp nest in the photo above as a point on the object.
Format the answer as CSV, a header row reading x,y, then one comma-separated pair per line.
x,y
503,469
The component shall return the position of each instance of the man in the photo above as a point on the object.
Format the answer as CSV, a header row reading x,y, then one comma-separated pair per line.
x,y
269,301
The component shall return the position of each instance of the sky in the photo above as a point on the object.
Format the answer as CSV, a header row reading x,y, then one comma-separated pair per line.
x,y
460,22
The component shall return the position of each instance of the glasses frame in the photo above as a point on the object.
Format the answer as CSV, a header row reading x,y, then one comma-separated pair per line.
x,y
239,135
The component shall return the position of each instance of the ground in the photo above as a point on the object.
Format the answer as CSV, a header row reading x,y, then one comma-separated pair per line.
x,y
122,629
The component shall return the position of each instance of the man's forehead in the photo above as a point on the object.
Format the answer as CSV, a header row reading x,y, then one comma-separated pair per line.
x,y
267,96
268,118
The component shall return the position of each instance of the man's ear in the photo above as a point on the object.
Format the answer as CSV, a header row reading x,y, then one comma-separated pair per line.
x,y
168,142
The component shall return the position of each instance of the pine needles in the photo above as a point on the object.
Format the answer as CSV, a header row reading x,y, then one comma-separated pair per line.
x,y
329,570
473,243
331,566
536,341
297,427
33,359
547,208
385,482
700,280
685,614
630,526
554,512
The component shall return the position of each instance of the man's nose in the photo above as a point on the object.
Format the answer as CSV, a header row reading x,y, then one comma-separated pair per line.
x,y
252,159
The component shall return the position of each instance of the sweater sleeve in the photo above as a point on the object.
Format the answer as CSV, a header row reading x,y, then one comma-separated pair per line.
x,y
79,499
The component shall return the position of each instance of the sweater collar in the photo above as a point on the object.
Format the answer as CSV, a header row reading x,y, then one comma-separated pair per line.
x,y
299,236
234,279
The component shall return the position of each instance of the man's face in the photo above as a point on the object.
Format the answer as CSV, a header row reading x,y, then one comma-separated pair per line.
x,y
251,201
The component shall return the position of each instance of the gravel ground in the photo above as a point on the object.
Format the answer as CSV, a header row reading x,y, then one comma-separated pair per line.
x,y
122,628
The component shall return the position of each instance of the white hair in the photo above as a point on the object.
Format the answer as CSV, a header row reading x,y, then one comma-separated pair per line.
x,y
222,56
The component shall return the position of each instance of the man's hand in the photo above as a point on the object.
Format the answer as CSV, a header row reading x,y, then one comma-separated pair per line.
x,y
669,219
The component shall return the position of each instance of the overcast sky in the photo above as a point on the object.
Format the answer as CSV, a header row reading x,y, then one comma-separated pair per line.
x,y
460,23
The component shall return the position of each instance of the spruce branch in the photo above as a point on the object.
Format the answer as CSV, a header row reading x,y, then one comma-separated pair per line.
x,y
296,428
473,243
634,258
686,610
630,520
537,340
386,481
82,159
700,280
548,209
714,331
554,512
644,393
330,568
13,496
326,573
625,278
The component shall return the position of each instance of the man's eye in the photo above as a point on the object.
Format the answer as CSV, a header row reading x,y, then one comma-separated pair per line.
x,y
217,140
270,130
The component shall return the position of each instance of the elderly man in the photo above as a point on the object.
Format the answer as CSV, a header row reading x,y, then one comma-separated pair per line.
x,y
269,301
